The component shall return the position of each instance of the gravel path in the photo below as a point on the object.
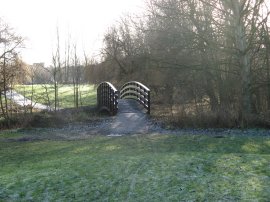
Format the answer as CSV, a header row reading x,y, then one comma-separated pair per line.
x,y
76,131
131,119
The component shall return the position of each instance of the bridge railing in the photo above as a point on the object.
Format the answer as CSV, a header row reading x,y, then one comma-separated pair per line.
x,y
137,91
107,97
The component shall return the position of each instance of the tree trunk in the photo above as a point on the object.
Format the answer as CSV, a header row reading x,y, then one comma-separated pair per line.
x,y
267,45
244,60
32,94
55,95
5,88
268,78
2,105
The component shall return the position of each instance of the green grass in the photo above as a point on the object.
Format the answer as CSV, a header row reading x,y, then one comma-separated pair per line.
x,y
136,168
65,93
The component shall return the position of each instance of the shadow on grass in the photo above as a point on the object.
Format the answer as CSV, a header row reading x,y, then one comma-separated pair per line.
x,y
199,143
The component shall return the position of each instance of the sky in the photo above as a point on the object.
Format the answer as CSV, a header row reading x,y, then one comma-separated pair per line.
x,y
85,21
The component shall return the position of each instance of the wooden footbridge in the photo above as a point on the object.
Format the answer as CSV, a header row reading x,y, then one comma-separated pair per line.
x,y
125,100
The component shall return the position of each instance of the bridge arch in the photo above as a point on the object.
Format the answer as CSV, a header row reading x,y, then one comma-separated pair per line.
x,y
107,97
137,91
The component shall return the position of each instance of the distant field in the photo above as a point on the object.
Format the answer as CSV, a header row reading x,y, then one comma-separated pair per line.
x,y
65,93
135,168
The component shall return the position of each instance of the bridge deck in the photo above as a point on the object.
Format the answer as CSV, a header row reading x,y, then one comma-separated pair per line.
x,y
131,118
130,106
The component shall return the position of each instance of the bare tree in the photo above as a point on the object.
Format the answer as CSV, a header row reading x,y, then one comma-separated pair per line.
x,y
10,43
56,71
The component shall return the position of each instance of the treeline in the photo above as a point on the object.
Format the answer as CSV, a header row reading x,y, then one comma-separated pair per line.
x,y
206,62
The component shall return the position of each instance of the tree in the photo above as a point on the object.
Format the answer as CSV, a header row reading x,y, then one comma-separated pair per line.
x,y
76,77
56,70
10,43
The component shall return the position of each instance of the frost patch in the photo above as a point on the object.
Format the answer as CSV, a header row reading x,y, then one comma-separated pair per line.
x,y
114,135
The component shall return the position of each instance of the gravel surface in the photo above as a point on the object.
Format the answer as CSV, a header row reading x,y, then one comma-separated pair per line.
x,y
88,129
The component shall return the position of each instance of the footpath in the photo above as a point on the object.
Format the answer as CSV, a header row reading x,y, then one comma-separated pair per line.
x,y
23,101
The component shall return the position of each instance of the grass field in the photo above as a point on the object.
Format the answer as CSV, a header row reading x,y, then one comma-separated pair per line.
x,y
135,168
65,93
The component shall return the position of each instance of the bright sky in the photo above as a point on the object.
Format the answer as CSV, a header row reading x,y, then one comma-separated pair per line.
x,y
85,20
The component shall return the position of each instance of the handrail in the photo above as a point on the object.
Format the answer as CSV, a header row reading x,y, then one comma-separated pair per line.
x,y
137,91
107,97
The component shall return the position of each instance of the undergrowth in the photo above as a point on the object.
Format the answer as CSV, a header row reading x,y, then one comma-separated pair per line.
x,y
50,119
207,119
